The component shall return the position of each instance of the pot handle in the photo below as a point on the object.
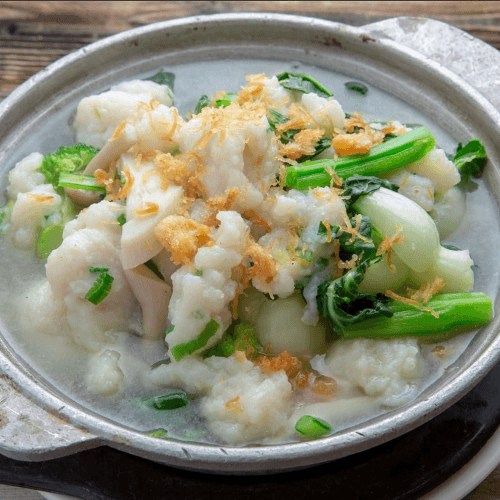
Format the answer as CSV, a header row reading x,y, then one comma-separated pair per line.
x,y
30,432
463,54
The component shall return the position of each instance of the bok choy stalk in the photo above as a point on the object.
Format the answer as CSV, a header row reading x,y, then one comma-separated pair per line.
x,y
383,158
453,313
391,214
352,313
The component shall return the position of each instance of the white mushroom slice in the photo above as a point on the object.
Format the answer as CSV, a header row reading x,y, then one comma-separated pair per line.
x,y
139,243
83,197
153,294
112,150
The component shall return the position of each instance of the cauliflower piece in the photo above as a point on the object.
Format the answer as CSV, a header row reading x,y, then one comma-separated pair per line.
x,y
39,311
237,149
104,375
90,242
29,213
436,167
277,96
205,294
103,216
417,188
327,112
307,211
24,176
241,404
97,116
386,369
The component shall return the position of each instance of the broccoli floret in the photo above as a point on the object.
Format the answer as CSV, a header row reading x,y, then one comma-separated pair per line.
x,y
70,159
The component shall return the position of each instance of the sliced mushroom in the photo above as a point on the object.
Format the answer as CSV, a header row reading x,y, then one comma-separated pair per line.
x,y
153,295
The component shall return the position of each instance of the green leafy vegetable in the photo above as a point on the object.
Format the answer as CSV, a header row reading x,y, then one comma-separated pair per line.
x,y
457,313
101,287
67,159
203,102
163,78
181,350
470,159
357,87
243,338
79,181
383,158
302,83
360,185
312,427
341,303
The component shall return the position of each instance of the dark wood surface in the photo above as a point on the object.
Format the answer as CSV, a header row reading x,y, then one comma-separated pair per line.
x,y
35,33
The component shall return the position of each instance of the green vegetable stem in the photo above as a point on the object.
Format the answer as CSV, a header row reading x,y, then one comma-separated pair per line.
x,y
383,158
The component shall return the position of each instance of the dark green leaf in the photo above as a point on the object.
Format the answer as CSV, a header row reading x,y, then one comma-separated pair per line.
x,y
341,303
203,102
470,159
163,78
359,185
302,83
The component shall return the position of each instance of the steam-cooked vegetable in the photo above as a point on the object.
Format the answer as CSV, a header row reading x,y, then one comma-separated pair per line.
x,y
66,160
382,159
470,159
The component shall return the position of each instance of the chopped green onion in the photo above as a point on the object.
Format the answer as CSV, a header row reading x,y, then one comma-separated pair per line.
x,y
79,181
49,239
94,269
312,427
181,350
383,158
360,88
101,287
121,219
170,401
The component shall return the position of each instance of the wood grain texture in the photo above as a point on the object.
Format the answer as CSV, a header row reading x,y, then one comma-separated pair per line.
x,y
34,34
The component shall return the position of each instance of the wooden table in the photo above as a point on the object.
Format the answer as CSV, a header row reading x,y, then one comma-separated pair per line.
x,y
33,34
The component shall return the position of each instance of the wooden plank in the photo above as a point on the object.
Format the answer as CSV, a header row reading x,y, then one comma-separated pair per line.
x,y
33,34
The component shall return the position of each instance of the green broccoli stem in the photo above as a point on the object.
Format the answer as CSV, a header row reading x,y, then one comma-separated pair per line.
x,y
383,158
79,181
458,313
